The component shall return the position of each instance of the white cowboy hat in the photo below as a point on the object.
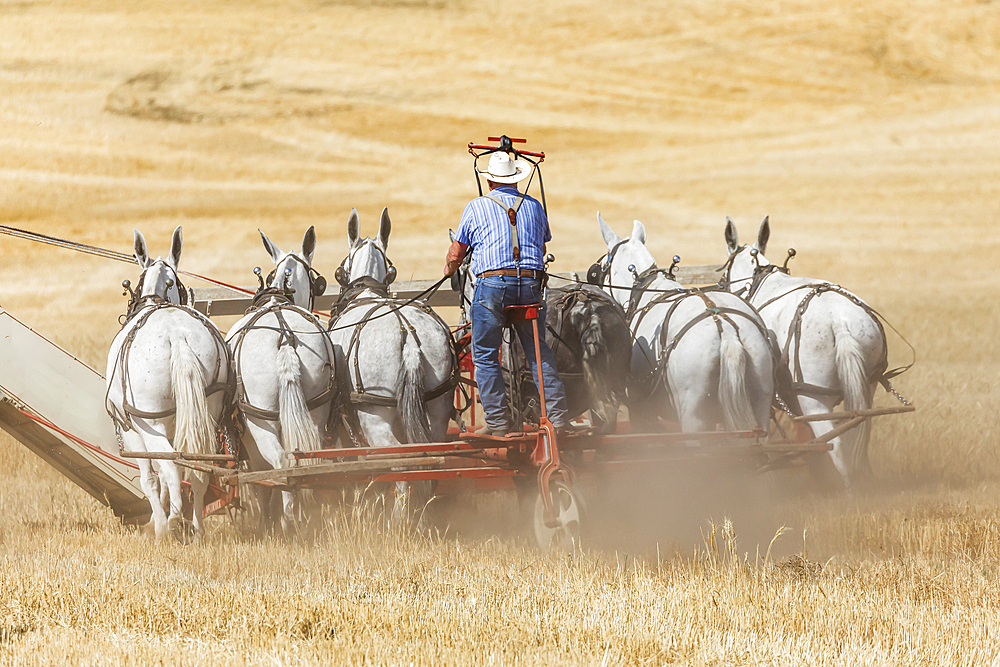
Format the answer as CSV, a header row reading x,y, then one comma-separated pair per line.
x,y
502,169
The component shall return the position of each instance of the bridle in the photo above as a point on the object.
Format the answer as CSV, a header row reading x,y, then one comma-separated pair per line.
x,y
760,272
136,301
317,283
599,272
343,273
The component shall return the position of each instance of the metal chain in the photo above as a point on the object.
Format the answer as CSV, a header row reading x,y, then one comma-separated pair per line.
x,y
900,397
784,406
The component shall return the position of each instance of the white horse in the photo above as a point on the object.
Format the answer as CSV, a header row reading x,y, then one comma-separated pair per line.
x,y
833,347
708,349
397,361
168,379
284,365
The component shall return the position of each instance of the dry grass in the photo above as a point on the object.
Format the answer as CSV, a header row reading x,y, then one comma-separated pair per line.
x,y
869,135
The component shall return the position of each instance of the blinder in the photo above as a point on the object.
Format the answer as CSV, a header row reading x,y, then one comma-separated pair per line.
x,y
595,274
598,271
341,274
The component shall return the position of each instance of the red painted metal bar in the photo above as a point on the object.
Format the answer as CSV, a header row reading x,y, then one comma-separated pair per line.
x,y
660,438
421,448
448,473
489,442
94,448
481,147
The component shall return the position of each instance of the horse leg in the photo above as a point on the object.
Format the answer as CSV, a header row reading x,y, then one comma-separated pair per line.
x,y
199,484
694,417
376,424
149,482
154,438
698,408
268,451
830,469
170,476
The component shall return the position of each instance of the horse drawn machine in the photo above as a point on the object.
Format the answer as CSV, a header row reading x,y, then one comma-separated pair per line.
x,y
385,391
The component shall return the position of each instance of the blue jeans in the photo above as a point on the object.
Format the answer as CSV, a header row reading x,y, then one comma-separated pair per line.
x,y
488,319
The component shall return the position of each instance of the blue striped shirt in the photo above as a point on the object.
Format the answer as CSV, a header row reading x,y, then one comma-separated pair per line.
x,y
485,228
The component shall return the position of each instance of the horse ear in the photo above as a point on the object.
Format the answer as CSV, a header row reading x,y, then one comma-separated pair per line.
x,y
353,229
309,245
141,251
272,250
176,243
763,234
638,232
384,227
732,237
610,238
451,234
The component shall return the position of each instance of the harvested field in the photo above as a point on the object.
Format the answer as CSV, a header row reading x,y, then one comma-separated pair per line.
x,y
870,135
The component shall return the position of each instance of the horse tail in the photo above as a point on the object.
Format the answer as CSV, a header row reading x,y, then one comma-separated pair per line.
x,y
596,369
194,430
737,411
299,432
850,361
410,392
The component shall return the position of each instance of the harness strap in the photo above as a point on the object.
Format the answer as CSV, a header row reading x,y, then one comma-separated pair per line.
x,y
360,395
798,385
124,418
716,312
286,336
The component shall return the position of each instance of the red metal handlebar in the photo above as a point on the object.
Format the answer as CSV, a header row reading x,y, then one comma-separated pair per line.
x,y
481,147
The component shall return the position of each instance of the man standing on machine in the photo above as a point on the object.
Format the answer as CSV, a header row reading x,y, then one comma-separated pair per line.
x,y
507,232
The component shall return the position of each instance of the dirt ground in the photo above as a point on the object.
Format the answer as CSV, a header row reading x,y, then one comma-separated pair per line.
x,y
870,134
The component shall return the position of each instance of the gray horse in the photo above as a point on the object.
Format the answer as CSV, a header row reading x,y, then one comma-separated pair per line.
x,y
834,347
397,362
168,382
284,364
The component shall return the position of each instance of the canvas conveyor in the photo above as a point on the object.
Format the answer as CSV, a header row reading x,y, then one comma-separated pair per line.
x,y
53,404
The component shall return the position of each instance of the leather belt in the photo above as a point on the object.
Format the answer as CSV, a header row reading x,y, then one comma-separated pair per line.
x,y
525,273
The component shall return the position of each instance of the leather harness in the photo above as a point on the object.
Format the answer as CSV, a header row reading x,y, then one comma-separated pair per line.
x,y
791,380
348,302
717,313
151,304
280,306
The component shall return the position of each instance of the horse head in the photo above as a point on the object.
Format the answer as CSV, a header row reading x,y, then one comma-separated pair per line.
x,y
159,278
745,261
367,257
293,273
626,258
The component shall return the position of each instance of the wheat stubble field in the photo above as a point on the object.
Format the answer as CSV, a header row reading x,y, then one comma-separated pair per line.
x,y
869,132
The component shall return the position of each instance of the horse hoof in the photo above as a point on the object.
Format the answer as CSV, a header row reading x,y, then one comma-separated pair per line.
x,y
181,529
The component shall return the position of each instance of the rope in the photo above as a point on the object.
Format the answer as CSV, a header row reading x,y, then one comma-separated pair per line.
x,y
100,252
393,308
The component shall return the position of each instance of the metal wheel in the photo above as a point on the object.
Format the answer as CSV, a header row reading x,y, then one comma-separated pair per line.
x,y
570,515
